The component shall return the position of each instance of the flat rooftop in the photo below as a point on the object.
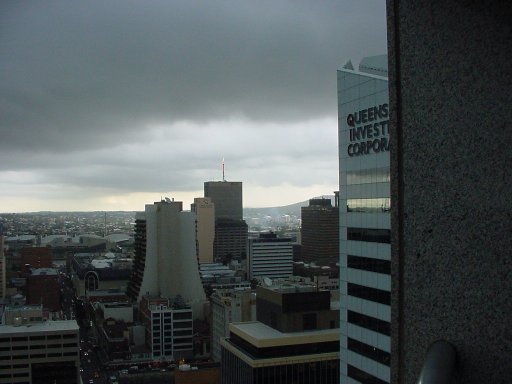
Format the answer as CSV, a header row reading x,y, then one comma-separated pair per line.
x,y
262,336
42,326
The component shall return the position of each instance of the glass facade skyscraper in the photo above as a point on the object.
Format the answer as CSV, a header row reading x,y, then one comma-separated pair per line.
x,y
365,254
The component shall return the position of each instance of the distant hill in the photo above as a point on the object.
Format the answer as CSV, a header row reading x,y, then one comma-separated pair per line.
x,y
292,209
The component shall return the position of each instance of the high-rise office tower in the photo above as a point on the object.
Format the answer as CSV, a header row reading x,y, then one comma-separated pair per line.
x,y
365,282
230,228
2,264
320,232
227,197
204,209
165,261
270,256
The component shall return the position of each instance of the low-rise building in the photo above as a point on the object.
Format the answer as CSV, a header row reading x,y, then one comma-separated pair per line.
x,y
168,327
33,350
295,339
43,288
228,306
270,256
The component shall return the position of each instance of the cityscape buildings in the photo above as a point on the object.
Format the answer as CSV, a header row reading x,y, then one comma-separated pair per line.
x,y
230,228
37,351
270,256
320,232
230,306
365,253
43,288
168,327
295,339
2,265
227,197
165,262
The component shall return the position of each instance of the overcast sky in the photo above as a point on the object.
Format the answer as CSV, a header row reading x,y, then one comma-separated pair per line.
x,y
108,105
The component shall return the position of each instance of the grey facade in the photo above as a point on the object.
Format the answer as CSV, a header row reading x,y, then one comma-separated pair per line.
x,y
227,197
451,118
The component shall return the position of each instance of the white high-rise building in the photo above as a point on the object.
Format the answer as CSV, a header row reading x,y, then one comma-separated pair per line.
x,y
270,256
365,254
165,261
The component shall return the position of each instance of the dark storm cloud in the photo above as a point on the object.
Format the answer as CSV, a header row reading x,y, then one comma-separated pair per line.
x,y
90,74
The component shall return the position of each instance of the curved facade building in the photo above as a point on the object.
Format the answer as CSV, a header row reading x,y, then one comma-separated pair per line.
x,y
165,255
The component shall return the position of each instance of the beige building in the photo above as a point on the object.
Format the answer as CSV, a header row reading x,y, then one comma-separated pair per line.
x,y
2,266
230,306
205,228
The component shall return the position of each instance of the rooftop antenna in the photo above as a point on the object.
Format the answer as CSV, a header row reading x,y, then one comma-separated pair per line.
x,y
223,179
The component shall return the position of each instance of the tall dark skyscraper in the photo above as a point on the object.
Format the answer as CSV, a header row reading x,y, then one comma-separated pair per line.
x,y
320,232
227,197
230,228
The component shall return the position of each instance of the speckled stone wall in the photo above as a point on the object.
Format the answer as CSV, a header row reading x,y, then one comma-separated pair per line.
x,y
450,78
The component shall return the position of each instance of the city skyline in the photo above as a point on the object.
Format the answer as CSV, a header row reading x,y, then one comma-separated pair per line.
x,y
112,106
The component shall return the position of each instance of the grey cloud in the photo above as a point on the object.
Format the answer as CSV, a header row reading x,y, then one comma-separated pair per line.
x,y
96,74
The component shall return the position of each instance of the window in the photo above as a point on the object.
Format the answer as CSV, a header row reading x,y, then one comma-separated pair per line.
x,y
309,321
367,293
362,377
19,348
369,322
368,351
368,176
369,205
369,264
369,234
69,336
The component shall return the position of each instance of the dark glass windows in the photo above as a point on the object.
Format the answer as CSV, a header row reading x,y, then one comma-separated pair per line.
x,y
369,264
371,235
367,293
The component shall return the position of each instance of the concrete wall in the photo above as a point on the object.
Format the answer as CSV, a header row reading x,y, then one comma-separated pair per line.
x,y
450,72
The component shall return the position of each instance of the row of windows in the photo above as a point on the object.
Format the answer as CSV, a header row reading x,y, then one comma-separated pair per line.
x,y
369,351
368,176
371,235
369,264
367,293
363,377
37,346
369,322
14,366
382,204
8,375
38,355
48,337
